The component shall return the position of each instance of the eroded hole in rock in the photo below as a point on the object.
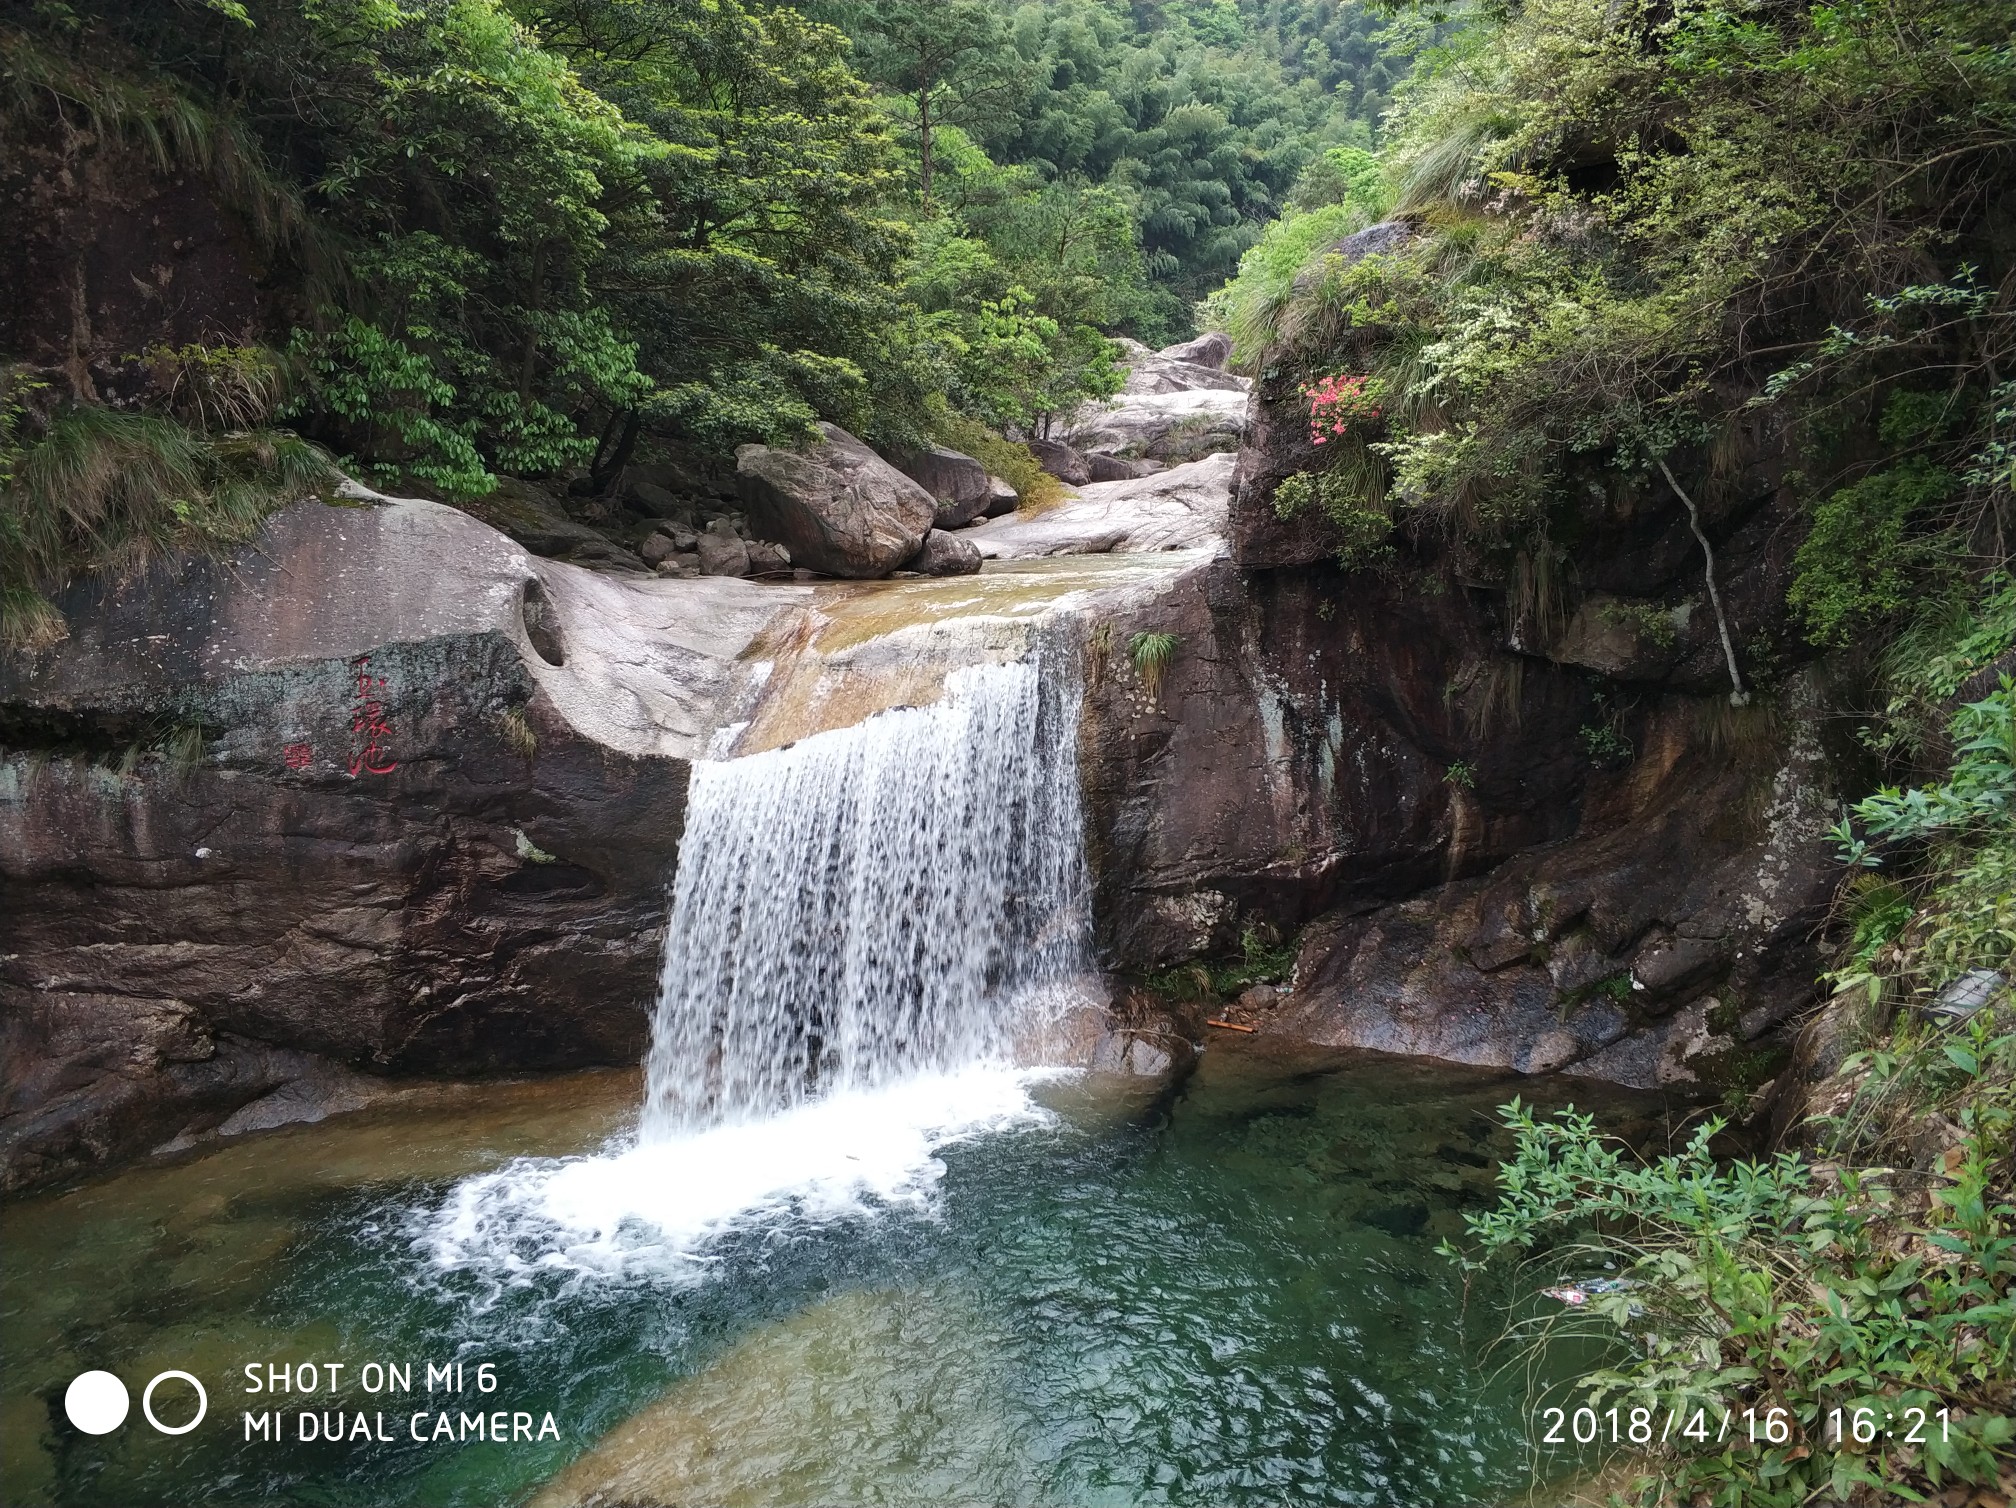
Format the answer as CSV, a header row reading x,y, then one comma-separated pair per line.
x,y
542,627
552,880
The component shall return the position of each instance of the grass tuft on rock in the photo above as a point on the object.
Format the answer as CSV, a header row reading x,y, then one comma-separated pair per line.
x,y
100,490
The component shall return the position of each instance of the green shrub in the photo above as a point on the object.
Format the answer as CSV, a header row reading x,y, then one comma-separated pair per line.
x,y
1250,308
1151,654
1857,568
1645,620
216,387
1364,531
1953,637
1963,895
1264,957
1785,1302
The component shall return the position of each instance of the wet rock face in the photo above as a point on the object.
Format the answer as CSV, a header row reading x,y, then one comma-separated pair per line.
x,y
106,256
1341,754
839,508
1294,757
416,819
1651,952
161,979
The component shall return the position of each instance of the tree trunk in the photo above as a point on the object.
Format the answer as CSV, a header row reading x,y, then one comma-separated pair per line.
x,y
602,474
1737,695
528,358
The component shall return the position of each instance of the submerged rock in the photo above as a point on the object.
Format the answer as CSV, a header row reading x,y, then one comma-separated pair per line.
x,y
882,1372
838,507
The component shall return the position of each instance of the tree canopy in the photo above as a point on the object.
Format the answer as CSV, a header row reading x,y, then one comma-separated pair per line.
x,y
517,235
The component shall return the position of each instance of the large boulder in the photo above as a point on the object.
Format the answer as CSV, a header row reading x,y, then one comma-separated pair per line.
x,y
1061,461
768,558
945,554
1211,349
957,481
722,551
1104,468
1172,425
838,507
1001,497
1177,405
1194,365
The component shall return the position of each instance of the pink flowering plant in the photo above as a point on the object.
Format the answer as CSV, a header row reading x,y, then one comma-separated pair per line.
x,y
1338,402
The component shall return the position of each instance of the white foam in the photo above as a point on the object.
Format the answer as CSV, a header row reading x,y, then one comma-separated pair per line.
x,y
653,1208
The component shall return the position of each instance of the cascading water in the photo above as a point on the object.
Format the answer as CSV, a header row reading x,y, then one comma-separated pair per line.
x,y
865,928
901,896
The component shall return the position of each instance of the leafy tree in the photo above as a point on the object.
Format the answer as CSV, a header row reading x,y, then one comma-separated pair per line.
x,y
527,228
758,263
1015,280
947,60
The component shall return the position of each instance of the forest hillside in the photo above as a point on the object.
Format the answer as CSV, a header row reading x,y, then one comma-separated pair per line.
x,y
467,238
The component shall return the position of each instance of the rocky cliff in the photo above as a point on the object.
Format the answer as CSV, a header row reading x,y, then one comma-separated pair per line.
x,y
1507,804
382,794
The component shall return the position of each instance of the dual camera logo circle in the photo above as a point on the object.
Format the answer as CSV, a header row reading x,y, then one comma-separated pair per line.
x,y
97,1402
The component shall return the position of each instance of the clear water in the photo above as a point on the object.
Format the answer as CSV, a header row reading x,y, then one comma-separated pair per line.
x,y
1060,1295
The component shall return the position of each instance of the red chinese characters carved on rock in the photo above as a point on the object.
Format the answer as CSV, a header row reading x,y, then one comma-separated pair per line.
x,y
298,756
370,746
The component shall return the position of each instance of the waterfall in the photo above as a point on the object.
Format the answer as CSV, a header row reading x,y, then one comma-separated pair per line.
x,y
865,928
904,896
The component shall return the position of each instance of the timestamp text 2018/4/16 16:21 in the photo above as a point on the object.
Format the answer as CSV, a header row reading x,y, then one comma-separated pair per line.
x,y
1769,1426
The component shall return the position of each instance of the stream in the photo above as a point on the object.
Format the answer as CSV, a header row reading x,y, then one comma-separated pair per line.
x,y
1071,1293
